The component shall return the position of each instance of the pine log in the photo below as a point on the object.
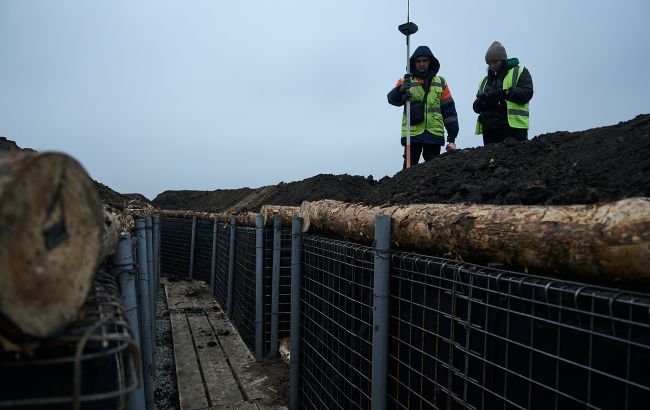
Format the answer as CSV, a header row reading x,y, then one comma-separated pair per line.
x,y
52,230
608,240
287,213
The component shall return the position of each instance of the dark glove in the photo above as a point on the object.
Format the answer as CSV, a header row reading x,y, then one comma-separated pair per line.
x,y
405,87
496,95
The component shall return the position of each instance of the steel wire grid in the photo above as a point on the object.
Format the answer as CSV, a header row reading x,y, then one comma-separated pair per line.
x,y
464,336
336,324
203,250
284,305
175,245
93,364
243,305
221,272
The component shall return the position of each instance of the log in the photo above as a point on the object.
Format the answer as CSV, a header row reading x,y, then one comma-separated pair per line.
x,y
52,238
287,213
610,241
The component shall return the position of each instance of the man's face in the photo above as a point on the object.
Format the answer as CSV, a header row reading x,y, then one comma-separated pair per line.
x,y
422,64
495,65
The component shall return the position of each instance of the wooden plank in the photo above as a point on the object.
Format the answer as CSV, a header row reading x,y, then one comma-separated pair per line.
x,y
245,405
239,356
191,392
219,379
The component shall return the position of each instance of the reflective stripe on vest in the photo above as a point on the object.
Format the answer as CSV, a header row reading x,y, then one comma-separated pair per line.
x,y
432,114
518,114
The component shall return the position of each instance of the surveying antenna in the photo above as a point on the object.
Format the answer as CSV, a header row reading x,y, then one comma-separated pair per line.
x,y
407,29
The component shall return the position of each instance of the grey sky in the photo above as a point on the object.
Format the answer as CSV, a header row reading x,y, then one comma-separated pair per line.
x,y
156,95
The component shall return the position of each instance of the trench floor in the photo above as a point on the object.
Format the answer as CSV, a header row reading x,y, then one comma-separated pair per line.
x,y
214,368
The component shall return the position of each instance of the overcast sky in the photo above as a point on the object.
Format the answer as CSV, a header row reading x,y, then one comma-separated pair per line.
x,y
157,95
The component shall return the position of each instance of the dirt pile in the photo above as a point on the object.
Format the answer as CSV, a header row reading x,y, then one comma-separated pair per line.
x,y
7,146
106,194
340,187
598,165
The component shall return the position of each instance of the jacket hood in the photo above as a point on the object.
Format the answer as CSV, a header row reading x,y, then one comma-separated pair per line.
x,y
424,51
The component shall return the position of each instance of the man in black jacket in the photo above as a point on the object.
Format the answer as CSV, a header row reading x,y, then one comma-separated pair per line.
x,y
432,107
502,98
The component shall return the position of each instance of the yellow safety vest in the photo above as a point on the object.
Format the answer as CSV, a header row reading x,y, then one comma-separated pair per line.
x,y
518,114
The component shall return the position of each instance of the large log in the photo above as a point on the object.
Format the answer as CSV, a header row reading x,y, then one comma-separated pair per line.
x,y
607,240
53,235
287,213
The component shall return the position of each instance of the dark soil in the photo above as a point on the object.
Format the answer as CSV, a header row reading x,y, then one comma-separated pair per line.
x,y
598,165
106,194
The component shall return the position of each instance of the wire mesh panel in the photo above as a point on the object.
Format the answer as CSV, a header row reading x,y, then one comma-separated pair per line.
x,y
175,245
284,305
223,260
203,250
463,336
243,305
336,324
92,364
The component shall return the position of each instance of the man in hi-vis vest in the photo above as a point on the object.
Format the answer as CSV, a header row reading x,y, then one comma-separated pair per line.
x,y
502,98
432,107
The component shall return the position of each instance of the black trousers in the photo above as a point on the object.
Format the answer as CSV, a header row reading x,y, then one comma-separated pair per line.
x,y
428,151
496,135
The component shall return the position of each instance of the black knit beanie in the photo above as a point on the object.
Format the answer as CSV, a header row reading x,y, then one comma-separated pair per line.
x,y
496,52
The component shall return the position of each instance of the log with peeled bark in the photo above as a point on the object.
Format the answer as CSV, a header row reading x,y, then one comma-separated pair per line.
x,y
287,213
607,240
53,235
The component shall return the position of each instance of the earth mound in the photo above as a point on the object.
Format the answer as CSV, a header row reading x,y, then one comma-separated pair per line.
x,y
106,194
561,168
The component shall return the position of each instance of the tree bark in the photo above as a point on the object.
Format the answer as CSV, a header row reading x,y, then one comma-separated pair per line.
x,y
53,235
287,213
607,240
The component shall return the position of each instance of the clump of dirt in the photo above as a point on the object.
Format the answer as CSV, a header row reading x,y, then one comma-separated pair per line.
x,y
598,165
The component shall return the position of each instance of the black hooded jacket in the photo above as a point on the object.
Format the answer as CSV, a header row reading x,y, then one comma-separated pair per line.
x,y
447,106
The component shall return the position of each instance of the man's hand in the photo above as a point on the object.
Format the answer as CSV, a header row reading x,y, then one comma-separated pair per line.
x,y
496,95
450,147
405,87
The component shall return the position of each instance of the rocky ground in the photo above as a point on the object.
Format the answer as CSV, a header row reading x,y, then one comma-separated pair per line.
x,y
598,165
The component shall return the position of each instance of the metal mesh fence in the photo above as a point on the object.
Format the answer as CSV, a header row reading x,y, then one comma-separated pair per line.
x,y
284,305
175,246
463,336
203,250
92,364
243,305
336,324
221,271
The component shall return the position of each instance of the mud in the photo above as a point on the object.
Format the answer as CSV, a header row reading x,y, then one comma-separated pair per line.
x,y
598,165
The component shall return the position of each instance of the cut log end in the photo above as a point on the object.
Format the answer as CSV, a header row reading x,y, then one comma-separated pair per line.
x,y
51,228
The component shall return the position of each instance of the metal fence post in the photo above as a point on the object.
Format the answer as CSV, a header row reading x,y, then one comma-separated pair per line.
x,y
145,309
150,272
294,357
259,287
191,273
380,311
156,254
124,271
213,267
231,265
275,284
